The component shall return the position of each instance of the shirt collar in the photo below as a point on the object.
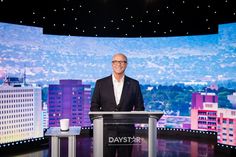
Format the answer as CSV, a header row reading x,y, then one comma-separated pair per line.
x,y
115,80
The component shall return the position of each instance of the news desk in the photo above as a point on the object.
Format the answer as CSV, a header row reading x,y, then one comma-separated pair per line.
x,y
99,118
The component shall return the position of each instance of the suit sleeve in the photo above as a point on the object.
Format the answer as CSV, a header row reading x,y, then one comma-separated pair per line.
x,y
139,103
95,102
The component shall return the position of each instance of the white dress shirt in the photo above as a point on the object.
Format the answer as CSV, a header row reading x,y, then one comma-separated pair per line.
x,y
118,87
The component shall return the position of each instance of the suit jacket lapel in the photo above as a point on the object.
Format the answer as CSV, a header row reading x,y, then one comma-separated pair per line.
x,y
111,90
125,89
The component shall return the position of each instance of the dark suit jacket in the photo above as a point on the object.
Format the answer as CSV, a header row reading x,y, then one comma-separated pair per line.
x,y
103,98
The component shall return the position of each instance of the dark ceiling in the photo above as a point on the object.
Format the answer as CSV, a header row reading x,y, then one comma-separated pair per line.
x,y
120,18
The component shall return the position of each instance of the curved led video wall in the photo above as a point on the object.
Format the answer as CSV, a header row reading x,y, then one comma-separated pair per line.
x,y
191,78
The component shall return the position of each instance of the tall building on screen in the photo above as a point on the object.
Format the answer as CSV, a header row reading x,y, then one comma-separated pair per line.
x,y
69,99
20,113
226,127
204,111
45,115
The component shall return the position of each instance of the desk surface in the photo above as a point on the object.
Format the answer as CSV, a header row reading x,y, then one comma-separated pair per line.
x,y
125,117
125,112
55,131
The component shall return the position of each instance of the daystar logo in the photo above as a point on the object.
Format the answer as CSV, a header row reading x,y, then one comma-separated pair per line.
x,y
124,140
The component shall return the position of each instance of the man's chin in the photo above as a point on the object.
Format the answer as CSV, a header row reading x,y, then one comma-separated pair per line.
x,y
120,73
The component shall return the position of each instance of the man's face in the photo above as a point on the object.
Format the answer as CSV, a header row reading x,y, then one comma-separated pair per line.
x,y
119,64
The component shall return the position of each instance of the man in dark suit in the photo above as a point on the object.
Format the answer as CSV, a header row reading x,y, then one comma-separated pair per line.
x,y
117,92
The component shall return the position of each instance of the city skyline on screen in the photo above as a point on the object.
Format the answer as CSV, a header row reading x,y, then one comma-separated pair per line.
x,y
158,63
49,58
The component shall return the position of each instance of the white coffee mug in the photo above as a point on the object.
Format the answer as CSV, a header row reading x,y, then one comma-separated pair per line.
x,y
64,124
